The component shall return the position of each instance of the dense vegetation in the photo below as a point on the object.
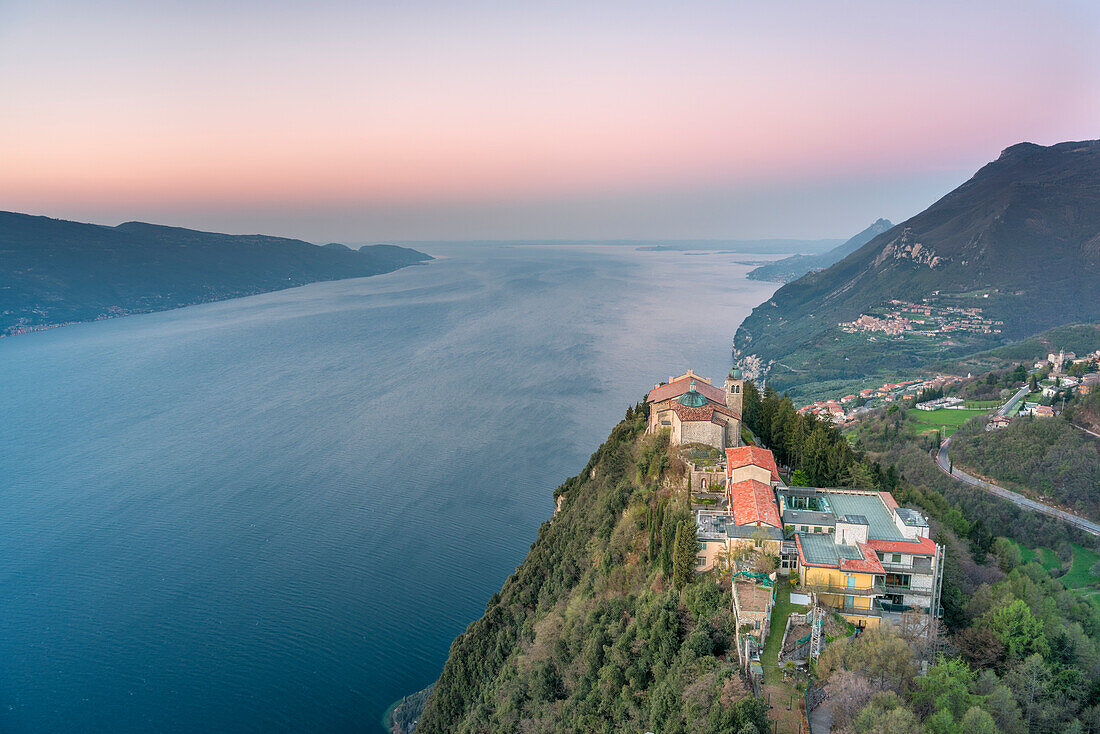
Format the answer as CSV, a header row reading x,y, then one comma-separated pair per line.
x,y
811,447
1022,228
1024,657
53,271
600,629
1048,457
1021,651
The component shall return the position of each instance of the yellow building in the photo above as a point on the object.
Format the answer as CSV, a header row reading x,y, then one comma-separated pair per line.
x,y
861,554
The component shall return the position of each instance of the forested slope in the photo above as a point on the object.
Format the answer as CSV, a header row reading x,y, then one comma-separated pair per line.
x,y
54,271
589,633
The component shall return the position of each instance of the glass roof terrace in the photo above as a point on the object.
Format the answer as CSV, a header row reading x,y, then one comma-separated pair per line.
x,y
880,522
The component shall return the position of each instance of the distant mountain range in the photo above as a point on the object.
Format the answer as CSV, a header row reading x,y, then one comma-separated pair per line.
x,y
1020,241
54,271
795,266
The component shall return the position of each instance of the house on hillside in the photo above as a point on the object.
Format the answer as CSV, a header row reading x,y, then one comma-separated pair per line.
x,y
861,554
750,519
694,411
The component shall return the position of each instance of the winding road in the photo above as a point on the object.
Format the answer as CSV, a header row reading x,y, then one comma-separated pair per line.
x,y
944,463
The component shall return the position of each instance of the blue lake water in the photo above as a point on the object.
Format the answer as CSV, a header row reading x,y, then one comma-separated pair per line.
x,y
277,512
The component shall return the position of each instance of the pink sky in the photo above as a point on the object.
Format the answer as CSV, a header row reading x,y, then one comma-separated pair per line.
x,y
496,120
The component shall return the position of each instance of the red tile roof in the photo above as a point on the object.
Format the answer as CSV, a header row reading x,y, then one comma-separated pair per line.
x,y
753,502
679,387
888,500
917,546
746,455
868,564
702,413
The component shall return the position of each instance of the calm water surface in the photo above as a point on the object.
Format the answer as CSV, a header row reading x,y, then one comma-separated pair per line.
x,y
276,513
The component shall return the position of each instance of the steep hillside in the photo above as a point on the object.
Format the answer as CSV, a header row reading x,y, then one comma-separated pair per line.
x,y
795,266
54,271
587,635
1020,242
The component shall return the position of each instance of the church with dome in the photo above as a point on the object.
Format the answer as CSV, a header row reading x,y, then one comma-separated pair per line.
x,y
694,411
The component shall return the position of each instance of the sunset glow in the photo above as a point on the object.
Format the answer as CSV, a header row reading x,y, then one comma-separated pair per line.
x,y
398,120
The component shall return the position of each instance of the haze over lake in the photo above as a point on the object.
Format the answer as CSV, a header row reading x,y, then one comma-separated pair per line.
x,y
277,512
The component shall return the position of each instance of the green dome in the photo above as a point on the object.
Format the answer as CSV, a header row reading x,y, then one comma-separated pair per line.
x,y
693,399
735,373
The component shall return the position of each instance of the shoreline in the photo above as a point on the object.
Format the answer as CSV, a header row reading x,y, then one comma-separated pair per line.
x,y
10,332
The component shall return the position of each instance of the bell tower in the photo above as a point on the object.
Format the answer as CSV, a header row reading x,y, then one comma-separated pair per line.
x,y
735,387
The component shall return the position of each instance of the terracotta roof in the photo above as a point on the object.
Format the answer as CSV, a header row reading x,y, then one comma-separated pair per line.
x,y
679,387
753,502
746,455
917,546
888,500
868,564
702,413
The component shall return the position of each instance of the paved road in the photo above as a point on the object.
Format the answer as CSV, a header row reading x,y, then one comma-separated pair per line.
x,y
945,464
1097,435
1007,407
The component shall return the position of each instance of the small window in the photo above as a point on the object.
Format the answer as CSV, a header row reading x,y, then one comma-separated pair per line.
x,y
758,543
829,530
803,528
700,561
817,530
896,558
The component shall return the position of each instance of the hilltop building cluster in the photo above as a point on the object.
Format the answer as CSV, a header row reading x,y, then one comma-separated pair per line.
x,y
852,551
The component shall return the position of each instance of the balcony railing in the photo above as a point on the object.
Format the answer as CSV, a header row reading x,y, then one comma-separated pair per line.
x,y
844,590
894,589
874,611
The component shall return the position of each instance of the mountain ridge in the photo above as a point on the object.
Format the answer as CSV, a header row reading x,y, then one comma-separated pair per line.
x,y
795,266
1020,241
57,271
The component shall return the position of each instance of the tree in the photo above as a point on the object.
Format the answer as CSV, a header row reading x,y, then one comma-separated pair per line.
x,y
859,475
945,687
1030,681
978,721
849,693
1017,628
800,479
886,714
683,555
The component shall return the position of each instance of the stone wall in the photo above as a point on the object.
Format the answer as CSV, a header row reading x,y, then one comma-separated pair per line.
x,y
702,432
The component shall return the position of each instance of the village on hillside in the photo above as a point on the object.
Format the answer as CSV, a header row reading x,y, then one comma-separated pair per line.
x,y
926,318
1048,379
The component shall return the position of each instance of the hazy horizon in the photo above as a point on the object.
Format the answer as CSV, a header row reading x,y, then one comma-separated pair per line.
x,y
431,121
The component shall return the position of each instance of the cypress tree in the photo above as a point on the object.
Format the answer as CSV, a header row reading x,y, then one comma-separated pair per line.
x,y
683,570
